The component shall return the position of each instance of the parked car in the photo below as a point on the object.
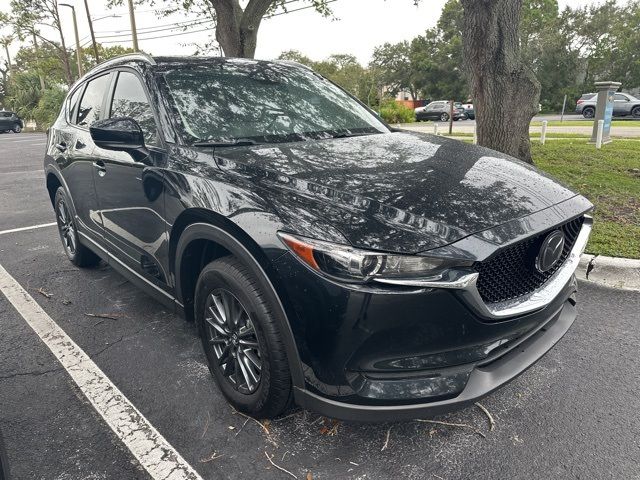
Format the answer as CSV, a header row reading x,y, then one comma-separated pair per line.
x,y
327,259
10,122
623,105
439,110
469,111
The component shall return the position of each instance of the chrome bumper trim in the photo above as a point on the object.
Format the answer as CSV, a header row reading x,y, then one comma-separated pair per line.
x,y
465,283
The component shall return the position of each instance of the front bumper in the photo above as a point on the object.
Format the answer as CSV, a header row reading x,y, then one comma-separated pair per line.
x,y
483,379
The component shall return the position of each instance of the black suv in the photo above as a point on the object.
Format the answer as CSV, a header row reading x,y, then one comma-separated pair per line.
x,y
10,122
363,272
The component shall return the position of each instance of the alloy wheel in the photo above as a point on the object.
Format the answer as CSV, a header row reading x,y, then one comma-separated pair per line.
x,y
232,337
66,227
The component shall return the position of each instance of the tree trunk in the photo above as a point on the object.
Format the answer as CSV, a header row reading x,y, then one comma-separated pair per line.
x,y
64,55
237,29
505,90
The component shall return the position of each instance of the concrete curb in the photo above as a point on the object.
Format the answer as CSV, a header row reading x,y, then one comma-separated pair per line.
x,y
612,272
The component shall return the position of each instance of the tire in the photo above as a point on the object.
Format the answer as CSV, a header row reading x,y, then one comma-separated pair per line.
x,y
16,129
444,117
635,112
79,255
589,112
254,338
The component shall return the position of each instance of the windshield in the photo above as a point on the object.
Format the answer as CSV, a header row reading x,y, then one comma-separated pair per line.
x,y
263,102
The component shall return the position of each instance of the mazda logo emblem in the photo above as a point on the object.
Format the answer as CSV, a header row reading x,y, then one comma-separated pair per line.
x,y
550,251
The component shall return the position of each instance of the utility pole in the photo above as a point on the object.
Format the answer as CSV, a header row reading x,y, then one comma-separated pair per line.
x,y
134,31
6,42
75,29
93,35
35,45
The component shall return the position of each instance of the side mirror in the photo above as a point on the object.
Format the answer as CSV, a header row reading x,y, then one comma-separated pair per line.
x,y
120,134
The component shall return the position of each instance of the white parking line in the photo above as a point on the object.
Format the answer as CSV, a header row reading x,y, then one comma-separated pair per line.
x,y
22,171
24,229
154,453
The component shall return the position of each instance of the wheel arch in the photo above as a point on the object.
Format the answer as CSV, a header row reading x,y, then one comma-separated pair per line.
x,y
198,236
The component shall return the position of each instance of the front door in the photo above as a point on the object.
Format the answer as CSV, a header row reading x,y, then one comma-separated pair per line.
x,y
129,192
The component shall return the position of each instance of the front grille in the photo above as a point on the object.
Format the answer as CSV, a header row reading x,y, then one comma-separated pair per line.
x,y
511,272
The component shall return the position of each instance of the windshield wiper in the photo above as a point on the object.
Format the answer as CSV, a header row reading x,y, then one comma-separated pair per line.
x,y
348,134
239,142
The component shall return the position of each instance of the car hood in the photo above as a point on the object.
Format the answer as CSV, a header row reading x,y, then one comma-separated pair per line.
x,y
400,191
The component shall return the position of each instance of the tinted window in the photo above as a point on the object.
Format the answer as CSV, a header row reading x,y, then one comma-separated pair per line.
x,y
5,114
264,102
71,106
621,98
91,103
130,100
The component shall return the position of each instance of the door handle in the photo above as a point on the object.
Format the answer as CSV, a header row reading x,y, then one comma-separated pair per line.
x,y
100,166
62,147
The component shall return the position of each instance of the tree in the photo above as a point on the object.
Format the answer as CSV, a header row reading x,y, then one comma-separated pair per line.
x,y
396,72
236,28
29,17
500,79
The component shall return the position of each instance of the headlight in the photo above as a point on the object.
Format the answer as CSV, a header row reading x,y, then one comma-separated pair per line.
x,y
348,263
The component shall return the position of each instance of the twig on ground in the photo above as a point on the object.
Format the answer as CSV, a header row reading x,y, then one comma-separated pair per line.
x,y
492,422
284,455
386,442
461,425
109,316
206,426
44,294
277,466
211,458
266,430
282,419
240,429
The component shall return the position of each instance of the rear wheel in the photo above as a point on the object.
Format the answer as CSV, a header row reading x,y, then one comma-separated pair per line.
x,y
241,339
589,112
79,255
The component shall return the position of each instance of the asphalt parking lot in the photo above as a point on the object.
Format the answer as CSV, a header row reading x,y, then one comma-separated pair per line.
x,y
572,415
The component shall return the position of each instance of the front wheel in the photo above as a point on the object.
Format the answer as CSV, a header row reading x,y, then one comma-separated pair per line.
x,y
241,339
444,117
636,112
16,129
79,255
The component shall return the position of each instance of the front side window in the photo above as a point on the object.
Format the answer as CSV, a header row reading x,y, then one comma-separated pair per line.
x,y
263,102
620,98
91,104
130,100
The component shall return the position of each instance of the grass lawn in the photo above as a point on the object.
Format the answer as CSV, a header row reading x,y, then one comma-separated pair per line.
x,y
582,123
610,178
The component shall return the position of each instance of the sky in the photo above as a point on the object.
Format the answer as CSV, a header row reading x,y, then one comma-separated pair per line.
x,y
358,27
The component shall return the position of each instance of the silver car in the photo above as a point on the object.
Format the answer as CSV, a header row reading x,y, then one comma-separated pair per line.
x,y
623,105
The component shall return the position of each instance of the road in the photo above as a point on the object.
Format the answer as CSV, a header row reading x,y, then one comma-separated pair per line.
x,y
572,415
574,124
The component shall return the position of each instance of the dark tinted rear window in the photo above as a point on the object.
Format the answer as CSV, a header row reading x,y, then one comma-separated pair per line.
x,y
91,104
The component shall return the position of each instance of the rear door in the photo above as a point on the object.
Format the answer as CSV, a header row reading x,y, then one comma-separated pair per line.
x,y
130,198
74,148
621,104
5,118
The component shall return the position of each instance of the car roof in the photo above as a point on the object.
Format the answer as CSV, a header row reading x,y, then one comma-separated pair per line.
x,y
181,60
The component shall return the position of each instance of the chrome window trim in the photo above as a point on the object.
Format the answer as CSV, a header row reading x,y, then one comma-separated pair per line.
x,y
465,282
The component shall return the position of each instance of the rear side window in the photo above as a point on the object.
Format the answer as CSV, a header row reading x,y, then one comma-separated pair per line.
x,y
91,104
72,104
130,100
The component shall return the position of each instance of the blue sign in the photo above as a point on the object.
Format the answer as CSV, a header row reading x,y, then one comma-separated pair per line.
x,y
608,114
